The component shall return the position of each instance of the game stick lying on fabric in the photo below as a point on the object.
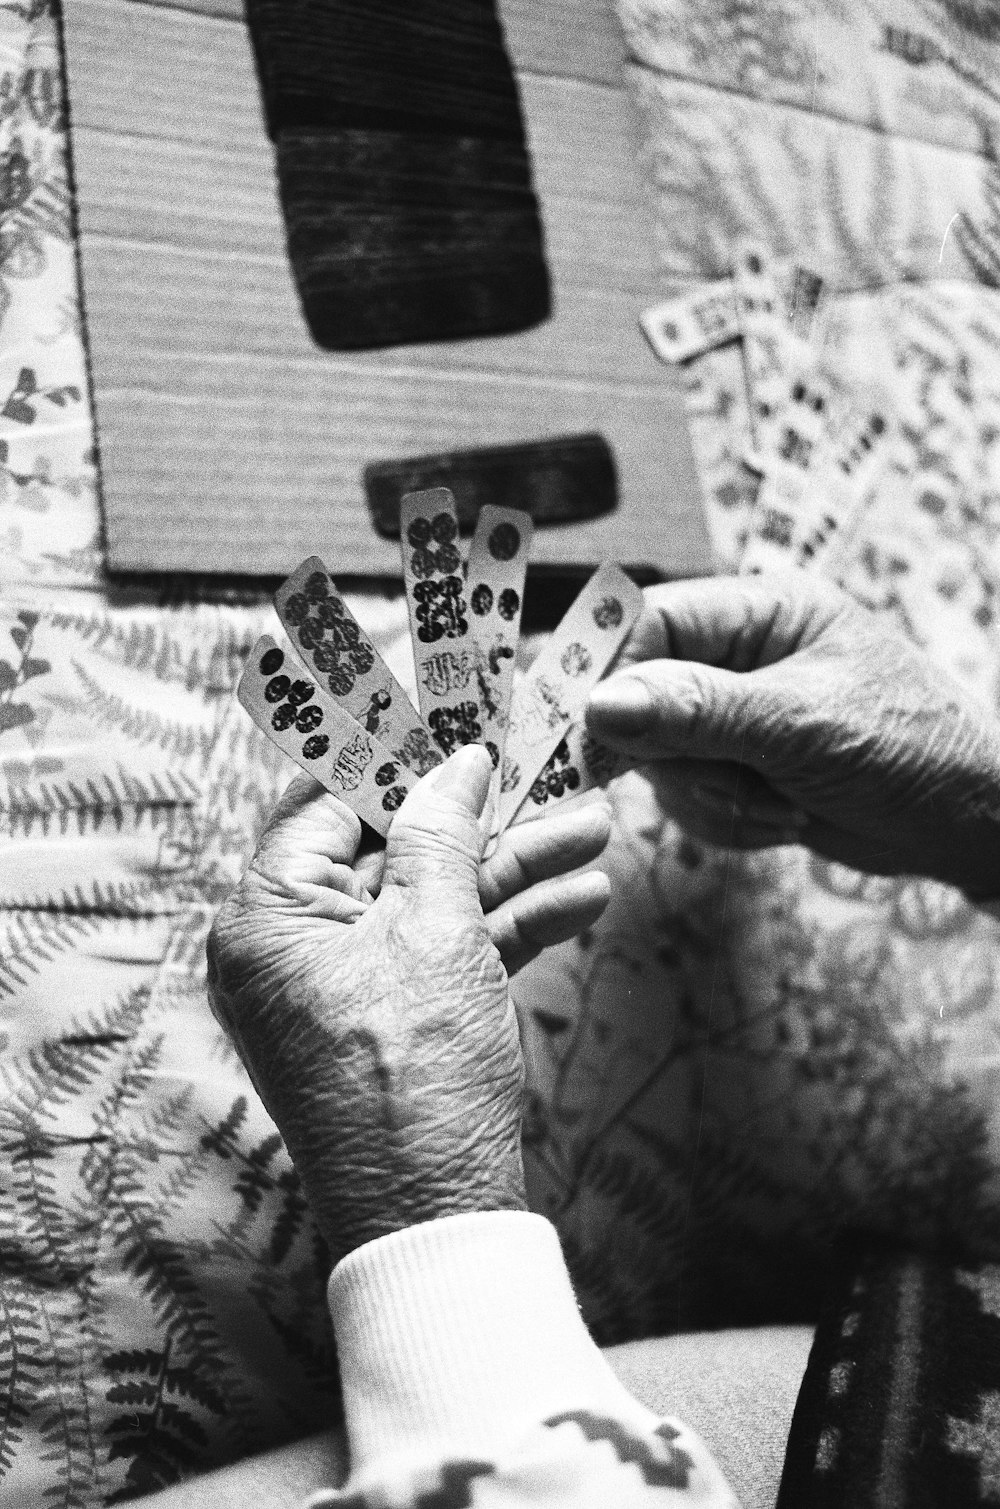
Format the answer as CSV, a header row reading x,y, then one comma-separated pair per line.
x,y
328,700
821,446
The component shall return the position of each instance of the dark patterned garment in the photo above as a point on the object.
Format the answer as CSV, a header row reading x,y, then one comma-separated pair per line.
x,y
901,1399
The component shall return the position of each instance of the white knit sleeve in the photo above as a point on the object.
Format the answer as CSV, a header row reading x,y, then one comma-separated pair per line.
x,y
465,1362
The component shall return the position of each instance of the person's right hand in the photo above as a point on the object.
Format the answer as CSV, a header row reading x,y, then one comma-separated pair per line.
x,y
366,990
775,710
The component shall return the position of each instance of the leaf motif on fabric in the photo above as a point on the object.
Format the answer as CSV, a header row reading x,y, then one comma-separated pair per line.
x,y
163,1439
14,715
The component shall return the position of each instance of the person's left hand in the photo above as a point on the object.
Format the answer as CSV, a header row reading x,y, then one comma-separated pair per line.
x,y
366,992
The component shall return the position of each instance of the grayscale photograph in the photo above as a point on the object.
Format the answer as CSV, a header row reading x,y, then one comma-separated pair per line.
x,y
500,754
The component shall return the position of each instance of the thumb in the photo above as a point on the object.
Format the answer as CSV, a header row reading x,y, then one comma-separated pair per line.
x,y
661,709
435,842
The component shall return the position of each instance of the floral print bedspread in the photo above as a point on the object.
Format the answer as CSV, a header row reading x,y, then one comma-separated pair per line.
x,y
744,1054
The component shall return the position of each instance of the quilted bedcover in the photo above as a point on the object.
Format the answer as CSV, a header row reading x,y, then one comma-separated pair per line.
x,y
746,1054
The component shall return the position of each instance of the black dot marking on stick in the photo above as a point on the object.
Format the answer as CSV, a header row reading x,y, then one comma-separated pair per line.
x,y
576,659
419,532
609,613
272,660
504,542
284,717
448,560
443,528
296,609
423,563
386,774
316,746
309,718
299,692
277,689
508,604
481,600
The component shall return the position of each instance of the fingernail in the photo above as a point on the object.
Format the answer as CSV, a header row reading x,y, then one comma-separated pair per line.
x,y
624,702
457,776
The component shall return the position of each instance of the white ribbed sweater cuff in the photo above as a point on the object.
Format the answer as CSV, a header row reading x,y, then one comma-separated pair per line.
x,y
463,1333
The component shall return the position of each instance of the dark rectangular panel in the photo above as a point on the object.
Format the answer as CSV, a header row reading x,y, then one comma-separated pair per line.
x,y
229,442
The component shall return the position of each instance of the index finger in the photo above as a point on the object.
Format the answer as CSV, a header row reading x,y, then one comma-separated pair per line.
x,y
530,853
308,822
306,857
736,623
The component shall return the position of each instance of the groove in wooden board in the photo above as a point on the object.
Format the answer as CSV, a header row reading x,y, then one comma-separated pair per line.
x,y
595,208
152,184
294,494
270,421
183,86
297,431
577,156
567,38
175,59
201,305
122,163
152,192
343,379
570,38
219,10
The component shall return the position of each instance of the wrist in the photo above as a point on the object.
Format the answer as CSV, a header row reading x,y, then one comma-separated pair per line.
x,y
352,1212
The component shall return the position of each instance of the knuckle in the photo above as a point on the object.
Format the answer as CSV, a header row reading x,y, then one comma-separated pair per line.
x,y
515,871
422,852
220,935
700,703
440,947
235,947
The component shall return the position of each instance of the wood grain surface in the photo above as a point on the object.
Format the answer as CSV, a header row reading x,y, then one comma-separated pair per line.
x,y
229,442
571,38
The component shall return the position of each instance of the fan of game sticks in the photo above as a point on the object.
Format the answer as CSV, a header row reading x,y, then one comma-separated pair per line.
x,y
329,701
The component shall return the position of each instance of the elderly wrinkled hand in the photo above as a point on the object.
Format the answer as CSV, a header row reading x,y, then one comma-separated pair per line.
x,y
775,711
366,991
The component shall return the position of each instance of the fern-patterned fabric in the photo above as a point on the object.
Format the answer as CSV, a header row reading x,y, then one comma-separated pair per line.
x,y
745,1054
